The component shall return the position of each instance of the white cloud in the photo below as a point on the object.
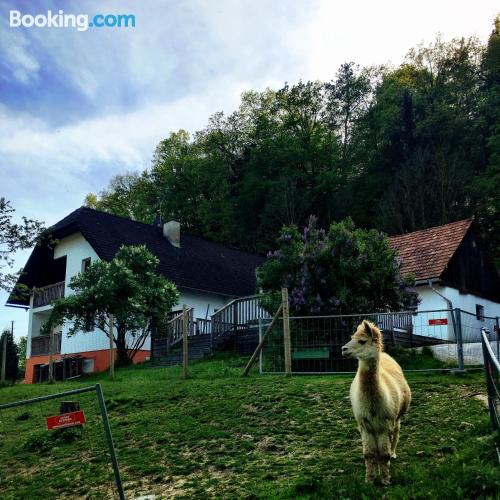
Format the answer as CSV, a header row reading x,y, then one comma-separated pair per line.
x,y
15,54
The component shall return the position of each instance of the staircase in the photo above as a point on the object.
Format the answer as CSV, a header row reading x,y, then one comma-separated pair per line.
x,y
232,328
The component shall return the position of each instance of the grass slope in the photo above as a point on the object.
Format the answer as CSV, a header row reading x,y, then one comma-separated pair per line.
x,y
217,435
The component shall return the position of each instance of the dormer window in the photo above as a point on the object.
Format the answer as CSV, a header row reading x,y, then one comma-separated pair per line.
x,y
86,264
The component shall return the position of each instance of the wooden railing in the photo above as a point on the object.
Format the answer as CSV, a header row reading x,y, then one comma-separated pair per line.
x,y
48,294
41,345
203,326
401,321
174,327
237,314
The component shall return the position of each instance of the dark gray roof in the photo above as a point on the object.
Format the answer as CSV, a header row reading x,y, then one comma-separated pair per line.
x,y
198,263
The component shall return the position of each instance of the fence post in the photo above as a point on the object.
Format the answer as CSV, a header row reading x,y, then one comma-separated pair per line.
x,y
109,437
261,343
391,323
235,325
111,349
211,337
4,357
497,331
260,340
458,334
286,332
185,351
51,352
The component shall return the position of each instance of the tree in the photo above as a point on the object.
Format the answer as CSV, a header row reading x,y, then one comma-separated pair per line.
x,y
14,237
348,99
12,358
126,287
345,270
21,352
486,186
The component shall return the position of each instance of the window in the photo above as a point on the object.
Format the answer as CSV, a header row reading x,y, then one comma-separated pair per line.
x,y
85,264
480,312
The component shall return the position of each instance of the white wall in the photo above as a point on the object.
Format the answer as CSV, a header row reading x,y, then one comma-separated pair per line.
x,y
430,300
470,325
76,248
201,301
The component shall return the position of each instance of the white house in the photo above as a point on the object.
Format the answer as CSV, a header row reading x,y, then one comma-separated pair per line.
x,y
208,276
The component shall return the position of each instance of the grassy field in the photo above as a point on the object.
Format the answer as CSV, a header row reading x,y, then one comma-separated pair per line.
x,y
217,435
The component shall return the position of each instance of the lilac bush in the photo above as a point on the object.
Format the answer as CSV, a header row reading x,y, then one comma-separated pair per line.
x,y
345,270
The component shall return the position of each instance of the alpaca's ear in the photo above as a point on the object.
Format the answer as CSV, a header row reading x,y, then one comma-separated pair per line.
x,y
368,328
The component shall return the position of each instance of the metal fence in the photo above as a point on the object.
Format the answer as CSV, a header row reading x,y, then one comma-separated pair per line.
x,y
492,372
69,429
453,335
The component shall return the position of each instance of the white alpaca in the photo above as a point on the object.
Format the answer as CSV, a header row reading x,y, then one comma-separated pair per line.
x,y
380,396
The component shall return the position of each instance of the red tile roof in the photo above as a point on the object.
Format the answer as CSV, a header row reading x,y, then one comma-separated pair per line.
x,y
426,253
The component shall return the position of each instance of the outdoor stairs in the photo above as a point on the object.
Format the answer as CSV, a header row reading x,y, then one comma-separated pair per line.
x,y
232,328
198,348
201,346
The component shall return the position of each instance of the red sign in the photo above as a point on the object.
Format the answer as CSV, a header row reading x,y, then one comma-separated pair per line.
x,y
65,420
438,321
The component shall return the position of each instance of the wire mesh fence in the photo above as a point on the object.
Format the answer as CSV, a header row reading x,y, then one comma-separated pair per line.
x,y
68,430
454,336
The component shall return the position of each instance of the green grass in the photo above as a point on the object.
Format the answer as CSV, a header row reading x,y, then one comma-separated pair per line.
x,y
218,435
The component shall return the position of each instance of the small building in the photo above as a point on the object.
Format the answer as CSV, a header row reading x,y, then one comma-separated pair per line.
x,y
207,274
452,271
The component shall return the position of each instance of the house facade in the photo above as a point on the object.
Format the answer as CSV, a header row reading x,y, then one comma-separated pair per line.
x,y
208,276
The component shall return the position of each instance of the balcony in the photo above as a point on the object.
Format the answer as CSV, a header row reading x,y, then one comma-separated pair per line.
x,y
48,294
41,345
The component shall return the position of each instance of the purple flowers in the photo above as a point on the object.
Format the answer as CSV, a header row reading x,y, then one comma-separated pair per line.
x,y
287,238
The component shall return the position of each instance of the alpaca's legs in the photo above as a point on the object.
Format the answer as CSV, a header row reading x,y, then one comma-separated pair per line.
x,y
370,453
395,438
384,456
371,464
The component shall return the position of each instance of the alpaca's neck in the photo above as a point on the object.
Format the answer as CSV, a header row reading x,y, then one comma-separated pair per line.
x,y
369,375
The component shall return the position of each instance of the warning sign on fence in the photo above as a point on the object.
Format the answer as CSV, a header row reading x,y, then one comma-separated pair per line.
x,y
438,321
65,420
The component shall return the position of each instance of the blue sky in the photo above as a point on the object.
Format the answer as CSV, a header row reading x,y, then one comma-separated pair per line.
x,y
77,108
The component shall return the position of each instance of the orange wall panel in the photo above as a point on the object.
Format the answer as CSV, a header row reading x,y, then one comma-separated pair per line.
x,y
101,361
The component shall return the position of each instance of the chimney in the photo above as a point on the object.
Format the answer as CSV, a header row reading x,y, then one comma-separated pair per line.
x,y
172,231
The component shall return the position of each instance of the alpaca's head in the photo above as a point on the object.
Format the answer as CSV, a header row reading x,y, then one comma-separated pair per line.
x,y
366,342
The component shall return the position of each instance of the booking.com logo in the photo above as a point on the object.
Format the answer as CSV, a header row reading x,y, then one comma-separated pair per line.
x,y
80,22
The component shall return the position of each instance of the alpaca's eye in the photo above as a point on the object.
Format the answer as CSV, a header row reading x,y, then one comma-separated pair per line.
x,y
362,342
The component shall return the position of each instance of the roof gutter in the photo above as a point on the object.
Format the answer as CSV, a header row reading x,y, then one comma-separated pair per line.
x,y
426,281
16,306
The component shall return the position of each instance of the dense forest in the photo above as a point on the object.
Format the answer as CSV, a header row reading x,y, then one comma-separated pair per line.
x,y
395,148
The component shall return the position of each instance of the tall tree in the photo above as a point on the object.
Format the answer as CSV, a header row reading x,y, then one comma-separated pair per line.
x,y
12,358
486,186
14,237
